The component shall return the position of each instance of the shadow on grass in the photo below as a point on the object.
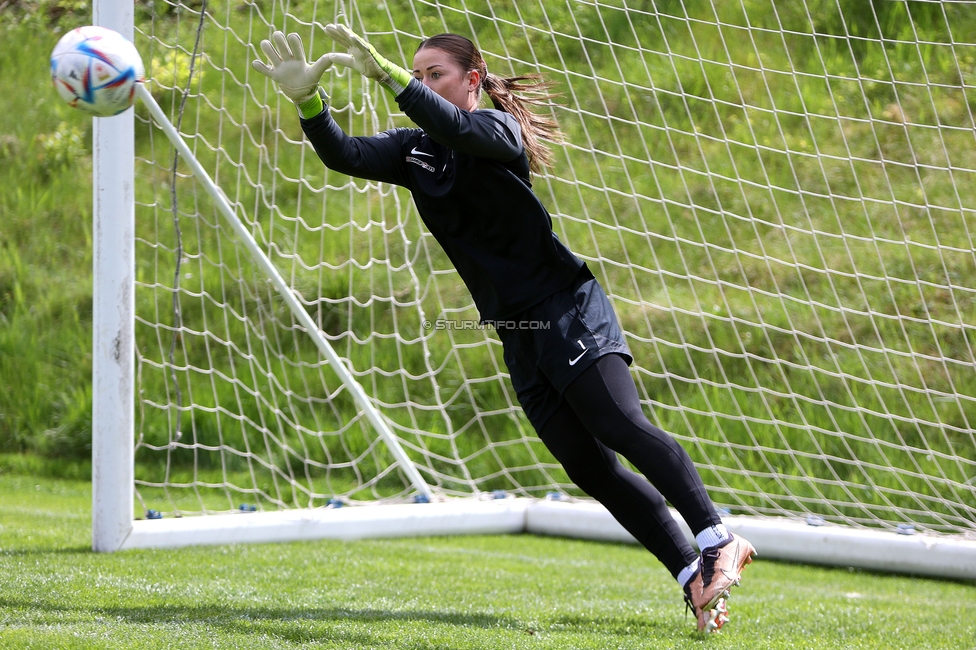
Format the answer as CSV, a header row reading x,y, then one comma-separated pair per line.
x,y
310,624
63,550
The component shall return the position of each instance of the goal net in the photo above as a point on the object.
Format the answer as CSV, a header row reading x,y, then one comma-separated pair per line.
x,y
777,197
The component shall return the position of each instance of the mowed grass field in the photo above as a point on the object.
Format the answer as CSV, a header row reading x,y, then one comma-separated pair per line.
x,y
450,593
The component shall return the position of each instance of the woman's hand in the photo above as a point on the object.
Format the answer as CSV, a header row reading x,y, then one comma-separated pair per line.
x,y
364,59
297,79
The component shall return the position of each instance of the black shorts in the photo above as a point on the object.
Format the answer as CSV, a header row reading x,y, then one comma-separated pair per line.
x,y
549,344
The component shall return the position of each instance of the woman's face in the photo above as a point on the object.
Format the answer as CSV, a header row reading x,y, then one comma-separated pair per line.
x,y
438,71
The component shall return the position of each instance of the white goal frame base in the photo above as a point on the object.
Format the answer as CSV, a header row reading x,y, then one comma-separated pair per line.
x,y
774,538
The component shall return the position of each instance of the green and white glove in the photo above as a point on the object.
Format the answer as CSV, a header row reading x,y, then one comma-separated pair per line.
x,y
297,79
364,59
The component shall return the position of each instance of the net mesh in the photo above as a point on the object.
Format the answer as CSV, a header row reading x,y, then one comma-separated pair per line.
x,y
778,201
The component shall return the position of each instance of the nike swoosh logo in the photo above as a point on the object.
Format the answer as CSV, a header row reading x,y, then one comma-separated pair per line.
x,y
420,153
572,362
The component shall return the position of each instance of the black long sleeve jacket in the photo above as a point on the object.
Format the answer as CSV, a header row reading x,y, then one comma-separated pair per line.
x,y
468,174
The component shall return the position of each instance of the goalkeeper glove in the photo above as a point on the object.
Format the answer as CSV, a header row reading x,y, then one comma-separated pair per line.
x,y
364,59
297,79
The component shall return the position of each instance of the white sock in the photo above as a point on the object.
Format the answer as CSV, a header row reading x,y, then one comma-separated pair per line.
x,y
712,536
685,575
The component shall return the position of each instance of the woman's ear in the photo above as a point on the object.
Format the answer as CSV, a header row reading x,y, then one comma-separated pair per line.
x,y
474,81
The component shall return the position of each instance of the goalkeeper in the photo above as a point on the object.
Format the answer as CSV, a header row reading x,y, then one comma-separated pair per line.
x,y
468,170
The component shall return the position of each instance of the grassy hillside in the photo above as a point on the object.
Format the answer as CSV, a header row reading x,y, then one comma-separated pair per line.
x,y
779,207
45,249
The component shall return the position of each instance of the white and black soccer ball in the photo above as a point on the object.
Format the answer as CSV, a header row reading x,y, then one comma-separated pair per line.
x,y
96,70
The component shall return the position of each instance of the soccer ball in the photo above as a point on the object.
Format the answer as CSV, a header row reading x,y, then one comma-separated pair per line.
x,y
96,70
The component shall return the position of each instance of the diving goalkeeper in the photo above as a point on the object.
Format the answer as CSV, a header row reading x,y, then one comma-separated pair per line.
x,y
469,171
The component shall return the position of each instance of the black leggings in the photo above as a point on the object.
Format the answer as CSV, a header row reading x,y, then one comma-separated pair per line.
x,y
601,414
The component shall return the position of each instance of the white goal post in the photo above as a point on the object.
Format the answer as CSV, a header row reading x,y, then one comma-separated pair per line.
x,y
778,202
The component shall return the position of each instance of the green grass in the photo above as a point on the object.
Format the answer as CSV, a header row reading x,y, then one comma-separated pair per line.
x,y
446,593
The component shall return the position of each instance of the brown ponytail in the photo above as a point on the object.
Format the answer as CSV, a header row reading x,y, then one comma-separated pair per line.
x,y
514,95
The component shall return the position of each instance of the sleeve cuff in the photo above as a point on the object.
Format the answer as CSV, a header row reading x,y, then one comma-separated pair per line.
x,y
313,105
397,78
